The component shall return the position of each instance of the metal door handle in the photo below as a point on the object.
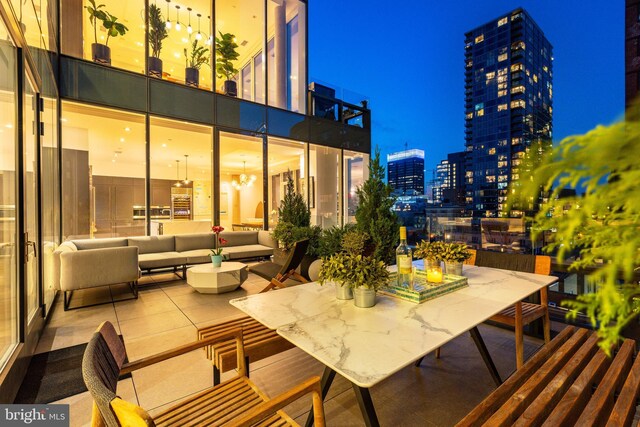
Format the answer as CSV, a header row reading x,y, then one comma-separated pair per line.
x,y
35,250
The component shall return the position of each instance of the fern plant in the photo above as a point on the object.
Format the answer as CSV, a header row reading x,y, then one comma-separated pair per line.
x,y
602,225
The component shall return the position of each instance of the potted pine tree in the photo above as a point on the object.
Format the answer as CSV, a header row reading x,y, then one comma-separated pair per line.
x,y
225,55
101,53
195,57
157,33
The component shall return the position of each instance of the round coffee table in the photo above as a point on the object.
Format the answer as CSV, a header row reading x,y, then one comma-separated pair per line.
x,y
207,279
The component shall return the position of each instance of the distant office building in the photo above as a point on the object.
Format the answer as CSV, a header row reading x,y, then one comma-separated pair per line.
x,y
450,180
508,106
405,172
632,51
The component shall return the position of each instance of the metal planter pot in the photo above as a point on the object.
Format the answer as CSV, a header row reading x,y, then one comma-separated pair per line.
x,y
101,53
453,268
343,291
364,297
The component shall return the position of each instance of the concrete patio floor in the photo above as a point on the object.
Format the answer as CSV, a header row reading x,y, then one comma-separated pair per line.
x,y
168,313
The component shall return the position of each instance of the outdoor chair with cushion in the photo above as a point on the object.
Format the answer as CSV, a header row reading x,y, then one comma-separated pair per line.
x,y
236,402
281,275
522,313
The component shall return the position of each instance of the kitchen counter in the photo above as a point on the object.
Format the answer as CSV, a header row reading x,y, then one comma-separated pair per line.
x,y
161,227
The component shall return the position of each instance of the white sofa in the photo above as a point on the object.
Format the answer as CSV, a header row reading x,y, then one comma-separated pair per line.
x,y
87,263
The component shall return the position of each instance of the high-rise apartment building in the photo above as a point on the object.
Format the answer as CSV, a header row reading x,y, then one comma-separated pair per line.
x,y
508,106
450,180
405,172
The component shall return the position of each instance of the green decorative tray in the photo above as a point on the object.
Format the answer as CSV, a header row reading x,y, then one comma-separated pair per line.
x,y
422,289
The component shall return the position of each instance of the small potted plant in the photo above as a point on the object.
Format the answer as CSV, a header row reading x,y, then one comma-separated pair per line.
x,y
101,53
225,55
157,33
365,274
195,57
216,252
430,252
334,270
453,255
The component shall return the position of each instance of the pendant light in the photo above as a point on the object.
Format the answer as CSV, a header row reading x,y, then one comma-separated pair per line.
x,y
199,34
210,39
178,183
244,179
178,26
168,23
189,29
186,173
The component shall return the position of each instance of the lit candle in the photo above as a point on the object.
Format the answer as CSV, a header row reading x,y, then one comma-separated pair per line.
x,y
434,275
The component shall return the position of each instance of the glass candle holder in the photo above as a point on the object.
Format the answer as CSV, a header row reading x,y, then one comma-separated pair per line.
x,y
434,274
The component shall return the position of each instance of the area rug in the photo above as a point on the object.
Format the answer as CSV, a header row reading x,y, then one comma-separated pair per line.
x,y
54,375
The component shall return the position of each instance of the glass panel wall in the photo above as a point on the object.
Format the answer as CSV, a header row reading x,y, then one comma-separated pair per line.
x,y
50,187
103,171
8,214
324,186
181,177
241,204
243,22
286,54
355,172
287,159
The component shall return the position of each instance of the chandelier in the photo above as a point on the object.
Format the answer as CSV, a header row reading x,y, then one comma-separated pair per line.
x,y
244,179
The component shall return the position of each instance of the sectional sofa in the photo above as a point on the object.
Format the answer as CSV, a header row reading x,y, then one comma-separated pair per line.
x,y
88,263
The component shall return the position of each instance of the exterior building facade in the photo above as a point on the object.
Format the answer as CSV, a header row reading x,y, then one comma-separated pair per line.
x,y
449,187
405,172
442,181
122,146
508,106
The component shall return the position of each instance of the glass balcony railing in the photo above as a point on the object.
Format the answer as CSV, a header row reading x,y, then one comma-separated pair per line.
x,y
338,105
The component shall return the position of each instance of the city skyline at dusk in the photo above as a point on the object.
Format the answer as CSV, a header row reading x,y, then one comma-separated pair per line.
x,y
411,65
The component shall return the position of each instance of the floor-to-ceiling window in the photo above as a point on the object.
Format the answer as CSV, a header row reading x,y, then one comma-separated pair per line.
x,y
286,54
8,202
181,177
241,204
355,172
240,24
324,185
286,161
103,171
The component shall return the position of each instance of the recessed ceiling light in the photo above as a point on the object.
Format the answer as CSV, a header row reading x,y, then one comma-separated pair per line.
x,y
127,129
9,126
164,146
63,120
121,139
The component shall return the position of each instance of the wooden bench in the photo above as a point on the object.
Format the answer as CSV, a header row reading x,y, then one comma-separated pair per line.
x,y
570,381
259,342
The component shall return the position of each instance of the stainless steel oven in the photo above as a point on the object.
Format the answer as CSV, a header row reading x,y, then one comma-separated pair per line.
x,y
156,212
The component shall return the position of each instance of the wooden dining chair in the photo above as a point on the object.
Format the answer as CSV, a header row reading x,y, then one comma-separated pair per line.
x,y
523,312
236,402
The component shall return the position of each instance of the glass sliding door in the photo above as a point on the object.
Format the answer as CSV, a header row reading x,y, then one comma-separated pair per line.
x,y
241,203
103,172
355,172
181,176
8,200
324,186
287,160
30,197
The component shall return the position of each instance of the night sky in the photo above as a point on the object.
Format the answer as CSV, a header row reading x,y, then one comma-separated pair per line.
x,y
407,58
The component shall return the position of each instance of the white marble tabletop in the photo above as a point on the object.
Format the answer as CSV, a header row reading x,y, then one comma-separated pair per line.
x,y
367,345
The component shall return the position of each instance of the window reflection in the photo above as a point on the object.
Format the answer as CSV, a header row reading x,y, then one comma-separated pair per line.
x,y
356,171
241,205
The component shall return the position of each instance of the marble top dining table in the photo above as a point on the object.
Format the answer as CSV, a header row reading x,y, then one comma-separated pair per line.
x,y
367,345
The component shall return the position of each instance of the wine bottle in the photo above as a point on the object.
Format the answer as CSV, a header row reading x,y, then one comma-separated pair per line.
x,y
403,261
